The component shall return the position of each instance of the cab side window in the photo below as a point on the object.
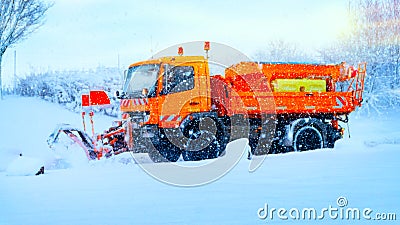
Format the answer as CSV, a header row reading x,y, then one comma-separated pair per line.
x,y
177,79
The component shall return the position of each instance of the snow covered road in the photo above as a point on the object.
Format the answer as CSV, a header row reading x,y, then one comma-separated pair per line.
x,y
363,170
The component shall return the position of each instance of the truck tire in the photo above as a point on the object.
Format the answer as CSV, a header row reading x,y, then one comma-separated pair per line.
x,y
307,138
163,150
169,151
156,157
215,140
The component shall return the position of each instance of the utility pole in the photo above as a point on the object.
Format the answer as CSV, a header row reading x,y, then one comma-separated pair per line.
x,y
15,72
119,66
151,46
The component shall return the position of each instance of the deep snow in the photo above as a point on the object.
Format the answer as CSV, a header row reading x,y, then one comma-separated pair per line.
x,y
364,169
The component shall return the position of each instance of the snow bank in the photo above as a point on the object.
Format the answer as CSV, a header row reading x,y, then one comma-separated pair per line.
x,y
118,191
26,131
24,166
6,157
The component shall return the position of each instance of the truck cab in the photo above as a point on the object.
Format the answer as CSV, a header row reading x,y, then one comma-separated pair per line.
x,y
162,98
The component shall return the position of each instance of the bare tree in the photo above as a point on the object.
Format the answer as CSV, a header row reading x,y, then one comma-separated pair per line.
x,y
281,51
18,19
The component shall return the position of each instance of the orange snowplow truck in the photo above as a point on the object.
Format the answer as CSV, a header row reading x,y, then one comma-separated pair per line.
x,y
173,106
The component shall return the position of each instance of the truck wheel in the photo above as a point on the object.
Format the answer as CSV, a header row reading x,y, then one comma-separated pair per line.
x,y
205,143
307,138
164,151
208,152
196,155
169,151
156,157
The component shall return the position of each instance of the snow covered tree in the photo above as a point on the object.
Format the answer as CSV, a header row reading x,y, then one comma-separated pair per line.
x,y
18,19
66,87
281,51
375,39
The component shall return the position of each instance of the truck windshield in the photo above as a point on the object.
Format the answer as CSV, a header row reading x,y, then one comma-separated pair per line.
x,y
140,77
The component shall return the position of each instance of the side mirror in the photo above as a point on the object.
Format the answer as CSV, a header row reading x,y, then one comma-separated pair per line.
x,y
119,94
145,92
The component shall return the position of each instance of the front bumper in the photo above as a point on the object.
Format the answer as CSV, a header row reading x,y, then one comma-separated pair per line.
x,y
143,137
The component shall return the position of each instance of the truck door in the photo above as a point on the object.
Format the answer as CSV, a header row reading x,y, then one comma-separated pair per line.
x,y
179,94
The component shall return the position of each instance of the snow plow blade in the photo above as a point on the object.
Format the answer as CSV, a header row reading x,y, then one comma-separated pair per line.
x,y
111,142
76,135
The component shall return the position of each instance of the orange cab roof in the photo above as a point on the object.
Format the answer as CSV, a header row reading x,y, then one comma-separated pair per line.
x,y
171,59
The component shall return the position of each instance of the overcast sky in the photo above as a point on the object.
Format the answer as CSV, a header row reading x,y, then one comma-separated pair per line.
x,y
82,34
